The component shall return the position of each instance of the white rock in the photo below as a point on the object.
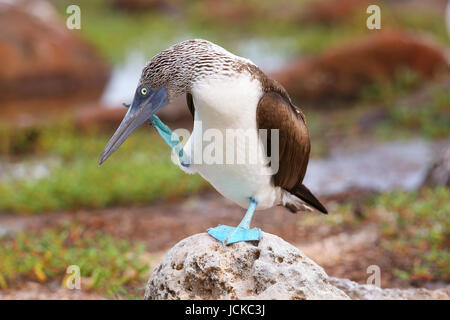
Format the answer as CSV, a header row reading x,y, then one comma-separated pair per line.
x,y
200,267
370,292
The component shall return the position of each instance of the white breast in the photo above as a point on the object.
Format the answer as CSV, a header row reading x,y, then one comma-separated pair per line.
x,y
221,104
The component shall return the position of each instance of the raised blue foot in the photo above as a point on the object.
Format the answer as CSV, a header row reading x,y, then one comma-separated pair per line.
x,y
242,232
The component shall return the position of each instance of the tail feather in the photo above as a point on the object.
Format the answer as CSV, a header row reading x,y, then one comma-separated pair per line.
x,y
303,193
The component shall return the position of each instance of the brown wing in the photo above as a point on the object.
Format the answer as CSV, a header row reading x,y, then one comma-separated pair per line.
x,y
276,112
190,104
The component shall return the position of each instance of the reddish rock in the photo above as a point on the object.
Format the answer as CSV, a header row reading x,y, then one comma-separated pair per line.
x,y
330,11
342,72
41,57
136,5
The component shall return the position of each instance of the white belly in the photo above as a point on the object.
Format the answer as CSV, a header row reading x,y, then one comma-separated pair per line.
x,y
227,108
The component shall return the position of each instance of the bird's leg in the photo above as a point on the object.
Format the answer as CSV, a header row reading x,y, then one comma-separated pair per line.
x,y
242,232
170,137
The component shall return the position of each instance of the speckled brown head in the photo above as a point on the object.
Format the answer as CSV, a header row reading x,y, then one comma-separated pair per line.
x,y
179,66
168,75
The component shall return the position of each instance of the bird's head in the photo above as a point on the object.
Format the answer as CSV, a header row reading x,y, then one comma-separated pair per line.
x,y
167,75
160,82
147,101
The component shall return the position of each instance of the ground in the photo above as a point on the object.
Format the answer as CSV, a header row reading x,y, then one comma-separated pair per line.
x,y
344,250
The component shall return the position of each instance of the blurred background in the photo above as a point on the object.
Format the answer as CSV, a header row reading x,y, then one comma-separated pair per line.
x,y
377,104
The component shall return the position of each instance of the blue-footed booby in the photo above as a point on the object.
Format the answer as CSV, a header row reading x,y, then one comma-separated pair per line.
x,y
227,92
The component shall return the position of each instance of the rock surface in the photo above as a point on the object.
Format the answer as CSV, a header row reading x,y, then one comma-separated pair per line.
x,y
373,167
41,57
200,267
439,173
331,11
370,292
343,72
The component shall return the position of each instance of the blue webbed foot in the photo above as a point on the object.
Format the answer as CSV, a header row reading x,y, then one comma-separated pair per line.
x,y
171,139
242,232
229,235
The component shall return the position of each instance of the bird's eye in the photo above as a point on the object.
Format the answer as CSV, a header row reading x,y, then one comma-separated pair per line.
x,y
144,91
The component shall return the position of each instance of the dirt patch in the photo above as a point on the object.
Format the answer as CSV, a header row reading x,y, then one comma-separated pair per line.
x,y
53,291
164,224
349,254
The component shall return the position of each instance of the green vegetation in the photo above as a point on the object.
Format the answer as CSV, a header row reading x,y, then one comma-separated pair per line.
x,y
107,265
387,112
139,172
405,81
430,21
415,228
430,118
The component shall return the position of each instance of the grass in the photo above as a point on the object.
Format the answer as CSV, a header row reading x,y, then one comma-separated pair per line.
x,y
139,172
429,118
416,229
400,110
405,80
429,21
107,265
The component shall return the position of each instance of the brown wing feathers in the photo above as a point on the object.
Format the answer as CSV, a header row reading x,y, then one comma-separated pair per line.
x,y
190,103
276,112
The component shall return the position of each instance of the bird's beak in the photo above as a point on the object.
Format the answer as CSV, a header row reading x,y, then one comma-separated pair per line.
x,y
141,110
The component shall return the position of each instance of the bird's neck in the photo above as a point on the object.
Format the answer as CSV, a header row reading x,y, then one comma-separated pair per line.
x,y
226,101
